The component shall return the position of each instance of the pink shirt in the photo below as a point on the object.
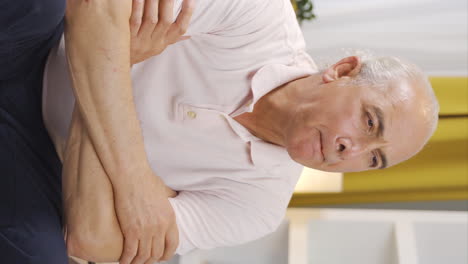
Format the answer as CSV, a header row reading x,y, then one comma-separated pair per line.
x,y
233,186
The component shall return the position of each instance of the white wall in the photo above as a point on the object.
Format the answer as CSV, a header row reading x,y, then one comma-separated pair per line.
x,y
430,33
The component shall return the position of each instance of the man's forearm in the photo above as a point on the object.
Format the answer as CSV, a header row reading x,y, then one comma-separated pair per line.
x,y
92,228
98,49
93,231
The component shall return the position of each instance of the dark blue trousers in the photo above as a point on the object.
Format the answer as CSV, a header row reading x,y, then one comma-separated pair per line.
x,y
30,171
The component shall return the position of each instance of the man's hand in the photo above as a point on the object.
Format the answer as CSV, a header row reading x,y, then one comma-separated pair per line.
x,y
152,27
147,222
145,215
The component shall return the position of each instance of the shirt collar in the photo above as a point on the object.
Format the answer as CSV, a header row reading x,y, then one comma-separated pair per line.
x,y
270,77
263,154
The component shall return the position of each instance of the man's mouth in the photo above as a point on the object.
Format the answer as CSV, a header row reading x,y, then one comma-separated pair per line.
x,y
319,149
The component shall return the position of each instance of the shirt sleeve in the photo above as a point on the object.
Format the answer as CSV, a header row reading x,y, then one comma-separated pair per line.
x,y
228,217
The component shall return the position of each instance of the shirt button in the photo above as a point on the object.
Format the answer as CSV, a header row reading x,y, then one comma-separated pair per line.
x,y
192,114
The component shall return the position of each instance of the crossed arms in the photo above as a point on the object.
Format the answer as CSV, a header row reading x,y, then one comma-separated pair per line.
x,y
115,206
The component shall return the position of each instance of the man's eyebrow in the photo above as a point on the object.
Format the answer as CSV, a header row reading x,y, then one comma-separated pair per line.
x,y
381,120
380,133
383,158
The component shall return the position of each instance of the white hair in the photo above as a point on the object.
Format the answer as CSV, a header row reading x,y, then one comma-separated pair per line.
x,y
383,72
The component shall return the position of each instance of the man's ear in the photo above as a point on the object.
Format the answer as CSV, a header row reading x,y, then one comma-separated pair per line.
x,y
347,67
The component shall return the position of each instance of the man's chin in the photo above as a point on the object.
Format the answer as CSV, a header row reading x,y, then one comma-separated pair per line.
x,y
308,164
305,154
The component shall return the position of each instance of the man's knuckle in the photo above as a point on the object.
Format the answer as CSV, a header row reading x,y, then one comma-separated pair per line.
x,y
150,20
159,224
128,251
159,256
135,21
144,256
181,31
166,22
171,243
157,252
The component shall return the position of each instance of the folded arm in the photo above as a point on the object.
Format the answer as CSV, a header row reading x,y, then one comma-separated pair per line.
x,y
92,228
107,179
98,45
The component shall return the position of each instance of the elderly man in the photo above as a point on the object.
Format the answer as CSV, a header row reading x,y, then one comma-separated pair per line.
x,y
226,121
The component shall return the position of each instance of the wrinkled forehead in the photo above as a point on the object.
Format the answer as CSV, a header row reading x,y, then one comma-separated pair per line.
x,y
407,129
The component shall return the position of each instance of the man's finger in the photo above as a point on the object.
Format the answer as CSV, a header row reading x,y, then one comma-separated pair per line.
x,y
150,17
137,15
171,243
144,251
182,23
130,250
158,246
166,14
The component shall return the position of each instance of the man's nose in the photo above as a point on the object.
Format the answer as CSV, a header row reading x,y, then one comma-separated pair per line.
x,y
348,148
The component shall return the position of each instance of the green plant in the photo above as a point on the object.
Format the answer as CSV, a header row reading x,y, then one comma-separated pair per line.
x,y
304,10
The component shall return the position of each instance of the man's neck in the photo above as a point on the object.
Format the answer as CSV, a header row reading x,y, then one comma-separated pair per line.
x,y
271,115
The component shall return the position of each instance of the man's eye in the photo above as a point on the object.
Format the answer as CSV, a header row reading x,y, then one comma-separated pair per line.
x,y
370,123
374,161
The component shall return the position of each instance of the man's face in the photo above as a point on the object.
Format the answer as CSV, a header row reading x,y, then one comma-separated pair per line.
x,y
342,127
